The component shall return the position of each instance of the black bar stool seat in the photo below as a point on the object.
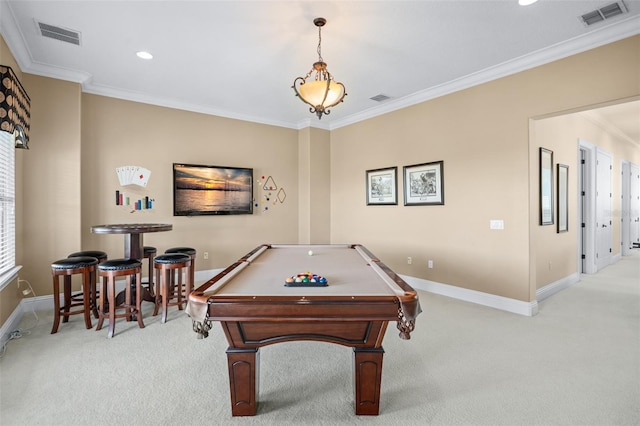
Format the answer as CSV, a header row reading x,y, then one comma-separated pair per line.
x,y
98,254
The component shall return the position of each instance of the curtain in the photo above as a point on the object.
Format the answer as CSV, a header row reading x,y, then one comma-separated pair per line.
x,y
15,105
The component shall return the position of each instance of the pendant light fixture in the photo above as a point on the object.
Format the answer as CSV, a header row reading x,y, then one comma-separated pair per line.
x,y
322,91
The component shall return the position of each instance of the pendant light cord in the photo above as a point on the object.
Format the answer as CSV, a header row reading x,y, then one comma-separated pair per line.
x,y
320,44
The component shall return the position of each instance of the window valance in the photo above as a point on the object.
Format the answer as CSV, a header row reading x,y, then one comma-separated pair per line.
x,y
15,105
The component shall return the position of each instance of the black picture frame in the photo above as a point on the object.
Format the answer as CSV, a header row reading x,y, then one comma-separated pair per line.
x,y
382,186
546,186
424,184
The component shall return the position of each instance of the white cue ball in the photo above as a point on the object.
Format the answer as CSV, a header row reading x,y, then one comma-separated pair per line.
x,y
310,252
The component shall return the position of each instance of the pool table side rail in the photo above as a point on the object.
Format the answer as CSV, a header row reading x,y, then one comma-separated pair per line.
x,y
409,304
198,302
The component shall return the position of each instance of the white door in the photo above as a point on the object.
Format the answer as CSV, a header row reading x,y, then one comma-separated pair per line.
x,y
625,229
634,205
604,240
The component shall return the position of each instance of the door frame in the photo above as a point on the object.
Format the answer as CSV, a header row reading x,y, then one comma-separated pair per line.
x,y
586,207
625,210
629,170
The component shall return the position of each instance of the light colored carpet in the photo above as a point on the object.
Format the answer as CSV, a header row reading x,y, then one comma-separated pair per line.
x,y
576,363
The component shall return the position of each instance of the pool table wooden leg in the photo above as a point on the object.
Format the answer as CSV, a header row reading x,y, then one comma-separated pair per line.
x,y
244,370
367,365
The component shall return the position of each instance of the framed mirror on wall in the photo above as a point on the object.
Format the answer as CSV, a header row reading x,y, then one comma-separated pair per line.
x,y
546,186
563,198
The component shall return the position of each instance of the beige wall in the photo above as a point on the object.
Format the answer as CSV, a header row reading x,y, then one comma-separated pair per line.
x,y
314,179
481,134
490,172
485,178
119,133
52,204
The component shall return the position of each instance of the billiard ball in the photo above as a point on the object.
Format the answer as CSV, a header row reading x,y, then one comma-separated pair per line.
x,y
310,252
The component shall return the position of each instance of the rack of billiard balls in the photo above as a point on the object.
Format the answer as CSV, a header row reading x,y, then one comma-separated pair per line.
x,y
306,279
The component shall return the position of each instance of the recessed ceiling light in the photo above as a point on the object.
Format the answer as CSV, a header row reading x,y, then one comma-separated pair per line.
x,y
144,55
526,2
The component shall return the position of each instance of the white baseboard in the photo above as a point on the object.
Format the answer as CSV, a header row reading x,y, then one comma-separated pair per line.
x,y
43,303
551,289
203,276
11,324
485,299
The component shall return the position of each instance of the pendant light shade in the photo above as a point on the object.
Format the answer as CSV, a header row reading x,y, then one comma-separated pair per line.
x,y
320,92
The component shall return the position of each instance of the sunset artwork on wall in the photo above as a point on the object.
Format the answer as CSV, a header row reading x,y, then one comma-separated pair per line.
x,y
211,190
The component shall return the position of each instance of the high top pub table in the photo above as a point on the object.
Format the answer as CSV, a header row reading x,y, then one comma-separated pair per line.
x,y
133,240
133,233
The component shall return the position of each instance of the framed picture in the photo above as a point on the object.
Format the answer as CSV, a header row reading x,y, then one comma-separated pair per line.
x,y
424,184
546,186
382,186
563,199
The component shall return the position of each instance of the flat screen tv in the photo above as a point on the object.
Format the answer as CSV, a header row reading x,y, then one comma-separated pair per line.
x,y
211,190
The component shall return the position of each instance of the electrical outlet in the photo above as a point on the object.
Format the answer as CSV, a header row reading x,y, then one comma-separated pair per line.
x,y
409,260
430,264
205,254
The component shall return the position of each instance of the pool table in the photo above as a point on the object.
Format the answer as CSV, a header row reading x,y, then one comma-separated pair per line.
x,y
257,307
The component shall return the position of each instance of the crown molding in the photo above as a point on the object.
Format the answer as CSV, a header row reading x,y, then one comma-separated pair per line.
x,y
588,41
607,34
134,96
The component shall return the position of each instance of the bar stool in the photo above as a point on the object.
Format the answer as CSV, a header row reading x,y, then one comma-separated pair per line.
x,y
149,254
167,265
84,265
101,256
109,271
192,254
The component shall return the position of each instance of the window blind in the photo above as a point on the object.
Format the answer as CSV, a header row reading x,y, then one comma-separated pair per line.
x,y
7,203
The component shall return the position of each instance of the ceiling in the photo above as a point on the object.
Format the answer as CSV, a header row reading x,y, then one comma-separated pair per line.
x,y
239,59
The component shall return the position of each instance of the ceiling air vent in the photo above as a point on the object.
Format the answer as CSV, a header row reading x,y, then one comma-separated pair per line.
x,y
380,98
605,12
57,33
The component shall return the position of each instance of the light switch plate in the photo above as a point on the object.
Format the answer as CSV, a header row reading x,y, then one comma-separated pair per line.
x,y
496,224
